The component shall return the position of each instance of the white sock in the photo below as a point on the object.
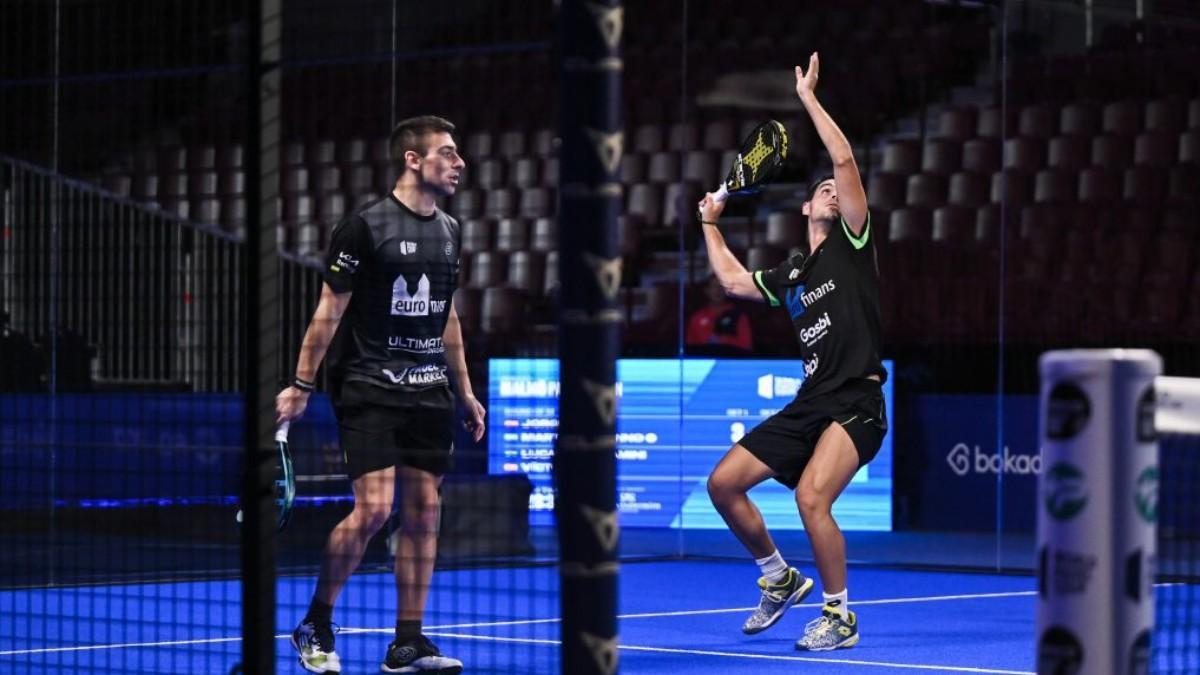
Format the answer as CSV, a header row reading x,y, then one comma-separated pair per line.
x,y
773,567
838,602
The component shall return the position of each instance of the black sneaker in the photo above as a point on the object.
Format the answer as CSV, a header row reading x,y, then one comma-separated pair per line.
x,y
419,655
314,642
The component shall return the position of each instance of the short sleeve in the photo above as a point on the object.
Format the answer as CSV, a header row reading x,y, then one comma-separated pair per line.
x,y
349,246
861,240
772,283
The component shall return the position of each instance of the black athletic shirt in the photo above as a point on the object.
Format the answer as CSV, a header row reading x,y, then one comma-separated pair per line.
x,y
833,299
403,270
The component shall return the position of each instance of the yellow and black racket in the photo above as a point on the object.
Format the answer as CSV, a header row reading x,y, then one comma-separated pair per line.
x,y
761,157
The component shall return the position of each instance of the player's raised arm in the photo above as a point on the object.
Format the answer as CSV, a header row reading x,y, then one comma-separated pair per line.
x,y
852,198
734,278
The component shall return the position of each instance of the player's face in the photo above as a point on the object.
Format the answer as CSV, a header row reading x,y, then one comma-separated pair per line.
x,y
824,203
442,166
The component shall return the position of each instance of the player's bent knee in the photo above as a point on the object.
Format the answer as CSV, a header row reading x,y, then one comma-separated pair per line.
x,y
719,489
812,502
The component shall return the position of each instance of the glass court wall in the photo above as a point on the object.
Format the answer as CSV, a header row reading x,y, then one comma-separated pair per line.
x,y
1031,174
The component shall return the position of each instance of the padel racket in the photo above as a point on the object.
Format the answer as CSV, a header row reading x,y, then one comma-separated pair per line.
x,y
285,478
759,160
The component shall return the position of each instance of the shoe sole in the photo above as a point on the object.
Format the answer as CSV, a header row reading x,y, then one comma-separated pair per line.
x,y
451,670
849,642
795,598
311,669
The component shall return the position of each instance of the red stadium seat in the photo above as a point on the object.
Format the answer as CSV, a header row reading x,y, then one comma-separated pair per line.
x,y
1112,151
786,229
941,156
956,124
969,189
490,174
512,234
487,269
351,151
1167,115
663,167
719,135
500,203
901,156
886,190
1099,185
1038,121
545,235
1158,149
201,158
512,144
633,168
1068,152
1025,154
925,191
526,272
466,306
477,235
1055,186
1189,146
1013,187
526,172
1122,118
981,155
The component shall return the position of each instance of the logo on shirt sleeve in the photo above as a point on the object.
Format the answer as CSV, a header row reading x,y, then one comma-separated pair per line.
x,y
345,260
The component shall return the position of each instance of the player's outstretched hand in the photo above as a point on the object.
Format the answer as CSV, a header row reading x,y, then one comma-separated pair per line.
x,y
710,209
806,83
290,405
473,421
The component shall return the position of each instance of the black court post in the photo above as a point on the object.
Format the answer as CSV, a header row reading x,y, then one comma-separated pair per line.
x,y
589,324
260,334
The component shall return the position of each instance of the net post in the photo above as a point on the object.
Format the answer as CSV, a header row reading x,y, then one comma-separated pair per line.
x,y
1096,512
589,319
259,348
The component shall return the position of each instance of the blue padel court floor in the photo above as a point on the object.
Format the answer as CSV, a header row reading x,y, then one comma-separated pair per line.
x,y
677,616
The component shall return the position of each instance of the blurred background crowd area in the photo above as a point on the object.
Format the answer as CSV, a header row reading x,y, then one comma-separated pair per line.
x,y
1033,169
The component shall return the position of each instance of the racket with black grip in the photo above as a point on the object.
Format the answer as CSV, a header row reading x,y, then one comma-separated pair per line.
x,y
760,159
285,478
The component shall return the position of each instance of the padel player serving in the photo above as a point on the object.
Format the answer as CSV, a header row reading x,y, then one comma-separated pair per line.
x,y
390,277
837,421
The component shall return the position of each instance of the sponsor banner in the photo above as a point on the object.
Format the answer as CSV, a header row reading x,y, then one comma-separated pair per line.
x,y
951,482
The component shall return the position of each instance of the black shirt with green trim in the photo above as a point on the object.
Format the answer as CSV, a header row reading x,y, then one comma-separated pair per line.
x,y
403,270
832,296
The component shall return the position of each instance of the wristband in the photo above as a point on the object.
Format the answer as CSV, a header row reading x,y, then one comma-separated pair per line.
x,y
708,222
302,385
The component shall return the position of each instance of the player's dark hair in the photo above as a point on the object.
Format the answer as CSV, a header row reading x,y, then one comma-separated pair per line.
x,y
412,134
812,187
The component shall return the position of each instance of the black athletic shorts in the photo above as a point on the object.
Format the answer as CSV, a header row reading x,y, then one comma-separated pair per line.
x,y
786,440
380,429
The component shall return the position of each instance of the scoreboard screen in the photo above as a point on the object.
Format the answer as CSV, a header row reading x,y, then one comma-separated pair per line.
x,y
675,419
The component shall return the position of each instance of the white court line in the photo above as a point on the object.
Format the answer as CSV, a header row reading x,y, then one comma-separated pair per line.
x,y
518,622
699,612
761,657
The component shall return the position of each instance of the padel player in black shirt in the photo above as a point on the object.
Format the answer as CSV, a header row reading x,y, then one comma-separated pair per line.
x,y
390,277
837,421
